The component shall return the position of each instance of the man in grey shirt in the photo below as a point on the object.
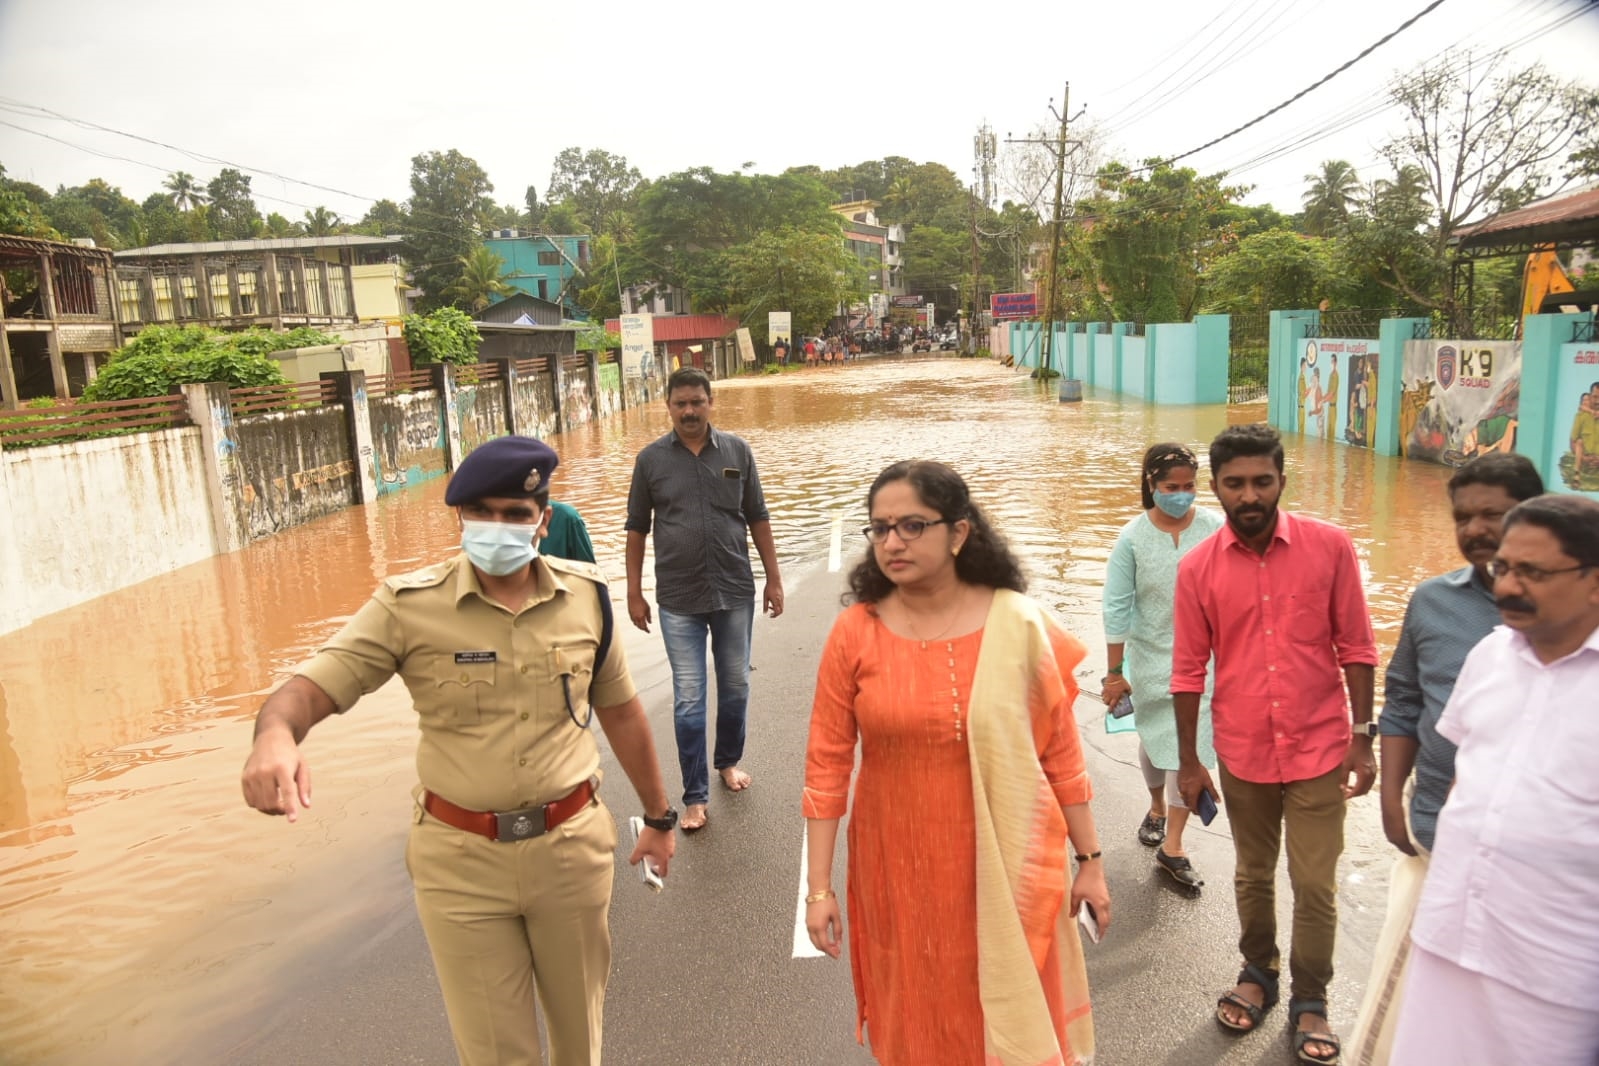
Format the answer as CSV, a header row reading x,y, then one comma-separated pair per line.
x,y
700,487
1447,616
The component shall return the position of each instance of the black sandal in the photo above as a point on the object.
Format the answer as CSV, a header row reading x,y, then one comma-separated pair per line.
x,y
1251,975
1152,831
1318,1007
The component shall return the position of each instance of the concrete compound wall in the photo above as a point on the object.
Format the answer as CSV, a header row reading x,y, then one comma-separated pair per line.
x,y
82,519
102,515
294,466
1176,363
610,393
408,439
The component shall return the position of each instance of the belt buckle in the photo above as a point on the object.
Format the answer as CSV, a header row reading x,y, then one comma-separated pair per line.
x,y
525,824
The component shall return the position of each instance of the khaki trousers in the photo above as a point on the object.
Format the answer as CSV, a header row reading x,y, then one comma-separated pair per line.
x,y
504,919
1313,812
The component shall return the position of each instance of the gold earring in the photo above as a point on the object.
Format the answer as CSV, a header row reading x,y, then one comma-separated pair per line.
x,y
954,551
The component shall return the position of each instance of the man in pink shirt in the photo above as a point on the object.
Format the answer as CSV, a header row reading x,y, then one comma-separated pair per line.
x,y
1277,599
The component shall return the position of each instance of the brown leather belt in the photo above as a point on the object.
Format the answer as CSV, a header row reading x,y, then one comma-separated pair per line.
x,y
525,824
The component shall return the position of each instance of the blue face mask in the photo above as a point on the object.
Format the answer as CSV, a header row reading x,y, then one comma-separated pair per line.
x,y
1176,504
499,548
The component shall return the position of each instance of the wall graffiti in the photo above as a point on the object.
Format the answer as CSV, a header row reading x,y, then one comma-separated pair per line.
x,y
1460,399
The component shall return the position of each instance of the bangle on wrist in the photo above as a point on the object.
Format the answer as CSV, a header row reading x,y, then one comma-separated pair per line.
x,y
817,897
1087,858
1117,669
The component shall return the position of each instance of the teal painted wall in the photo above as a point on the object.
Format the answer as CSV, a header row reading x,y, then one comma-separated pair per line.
x,y
1134,381
524,271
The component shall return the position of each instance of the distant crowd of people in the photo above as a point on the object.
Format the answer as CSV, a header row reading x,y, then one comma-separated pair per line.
x,y
835,347
943,725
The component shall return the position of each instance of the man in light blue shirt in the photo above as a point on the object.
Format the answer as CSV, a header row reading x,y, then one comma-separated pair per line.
x,y
1446,618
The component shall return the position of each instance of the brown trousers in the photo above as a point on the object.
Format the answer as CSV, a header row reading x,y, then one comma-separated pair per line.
x,y
504,919
1313,812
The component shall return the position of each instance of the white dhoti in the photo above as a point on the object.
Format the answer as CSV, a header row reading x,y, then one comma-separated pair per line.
x,y
1371,1043
1460,1017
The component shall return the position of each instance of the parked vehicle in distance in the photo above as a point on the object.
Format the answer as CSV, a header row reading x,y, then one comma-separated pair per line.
x,y
948,341
922,344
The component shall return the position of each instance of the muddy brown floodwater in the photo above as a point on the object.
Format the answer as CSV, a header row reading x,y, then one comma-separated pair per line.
x,y
139,899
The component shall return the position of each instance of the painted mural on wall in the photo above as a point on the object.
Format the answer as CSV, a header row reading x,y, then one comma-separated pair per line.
x,y
1461,399
1575,451
1337,390
408,439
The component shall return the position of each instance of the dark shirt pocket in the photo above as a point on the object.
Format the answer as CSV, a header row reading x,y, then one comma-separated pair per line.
x,y
574,663
727,494
1311,622
461,691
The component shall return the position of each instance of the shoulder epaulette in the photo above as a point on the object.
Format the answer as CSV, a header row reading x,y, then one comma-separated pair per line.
x,y
575,566
427,577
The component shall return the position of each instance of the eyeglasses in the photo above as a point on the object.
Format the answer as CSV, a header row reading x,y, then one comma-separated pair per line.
x,y
1528,575
907,528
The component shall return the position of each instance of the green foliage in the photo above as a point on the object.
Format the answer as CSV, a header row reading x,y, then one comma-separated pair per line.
x,y
482,279
1153,232
265,342
443,220
1271,271
447,335
1331,198
804,272
164,356
602,189
383,219
594,337
233,213
597,293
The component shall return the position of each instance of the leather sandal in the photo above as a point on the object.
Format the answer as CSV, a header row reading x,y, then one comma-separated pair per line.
x,y
1251,975
1318,1007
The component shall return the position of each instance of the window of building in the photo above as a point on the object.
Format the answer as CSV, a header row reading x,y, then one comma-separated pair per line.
x,y
669,303
544,289
549,259
582,253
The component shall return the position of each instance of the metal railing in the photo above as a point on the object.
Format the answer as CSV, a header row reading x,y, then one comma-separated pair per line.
x,y
404,381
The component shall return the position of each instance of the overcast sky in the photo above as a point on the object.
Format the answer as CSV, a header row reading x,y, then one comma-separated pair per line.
x,y
342,93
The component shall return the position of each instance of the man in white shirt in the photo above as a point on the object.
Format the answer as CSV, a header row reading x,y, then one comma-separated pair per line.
x,y
1505,962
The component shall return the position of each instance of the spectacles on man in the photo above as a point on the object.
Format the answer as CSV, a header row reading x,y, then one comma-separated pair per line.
x,y
907,528
1527,574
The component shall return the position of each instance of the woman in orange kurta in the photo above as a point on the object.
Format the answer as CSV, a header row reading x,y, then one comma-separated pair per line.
x,y
896,677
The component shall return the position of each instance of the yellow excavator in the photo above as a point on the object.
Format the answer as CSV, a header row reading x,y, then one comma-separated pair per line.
x,y
1547,289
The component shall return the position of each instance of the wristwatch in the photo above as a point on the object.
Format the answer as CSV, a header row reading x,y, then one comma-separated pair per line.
x,y
1366,729
665,823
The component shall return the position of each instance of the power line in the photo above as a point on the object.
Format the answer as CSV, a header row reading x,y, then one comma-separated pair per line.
x,y
1402,27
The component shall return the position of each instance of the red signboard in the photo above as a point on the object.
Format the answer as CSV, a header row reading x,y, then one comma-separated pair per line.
x,y
1013,305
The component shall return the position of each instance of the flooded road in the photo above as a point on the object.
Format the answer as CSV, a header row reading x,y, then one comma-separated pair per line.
x,y
140,900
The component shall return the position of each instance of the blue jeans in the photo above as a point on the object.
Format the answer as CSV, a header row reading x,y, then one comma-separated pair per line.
x,y
685,651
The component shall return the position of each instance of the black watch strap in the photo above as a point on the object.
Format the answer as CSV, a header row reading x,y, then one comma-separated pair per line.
x,y
665,823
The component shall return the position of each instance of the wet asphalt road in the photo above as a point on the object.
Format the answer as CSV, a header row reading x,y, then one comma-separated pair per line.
x,y
703,973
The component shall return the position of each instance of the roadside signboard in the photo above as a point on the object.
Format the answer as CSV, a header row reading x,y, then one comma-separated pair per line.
x,y
638,344
746,345
1010,305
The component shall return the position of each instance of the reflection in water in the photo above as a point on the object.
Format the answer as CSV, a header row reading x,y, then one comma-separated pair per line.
x,y
125,848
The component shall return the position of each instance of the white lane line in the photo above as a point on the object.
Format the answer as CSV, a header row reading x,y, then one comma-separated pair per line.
x,y
803,948
835,550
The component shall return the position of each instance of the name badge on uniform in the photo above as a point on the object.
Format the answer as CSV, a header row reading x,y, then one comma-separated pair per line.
x,y
475,657
730,471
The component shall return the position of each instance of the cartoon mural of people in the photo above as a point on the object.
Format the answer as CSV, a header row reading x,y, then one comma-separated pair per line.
x,y
1308,374
1329,415
1579,467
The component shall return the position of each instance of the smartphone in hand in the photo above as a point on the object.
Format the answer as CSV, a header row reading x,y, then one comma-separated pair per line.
x,y
1206,807
1089,921
1122,707
646,869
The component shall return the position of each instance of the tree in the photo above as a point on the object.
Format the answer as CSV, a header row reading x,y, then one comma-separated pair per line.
x,y
320,222
1332,195
184,192
161,357
601,186
1153,233
688,222
482,279
277,225
20,214
1270,271
599,296
802,271
383,219
93,209
1481,138
535,210
444,219
234,216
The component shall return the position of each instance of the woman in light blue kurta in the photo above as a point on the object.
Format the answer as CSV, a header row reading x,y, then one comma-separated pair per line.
x,y
1140,585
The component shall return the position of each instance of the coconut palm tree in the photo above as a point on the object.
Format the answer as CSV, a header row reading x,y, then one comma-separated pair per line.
x,y
482,279
1332,195
185,191
320,222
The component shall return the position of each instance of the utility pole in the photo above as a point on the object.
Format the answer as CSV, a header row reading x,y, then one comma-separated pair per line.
x,y
1046,361
972,303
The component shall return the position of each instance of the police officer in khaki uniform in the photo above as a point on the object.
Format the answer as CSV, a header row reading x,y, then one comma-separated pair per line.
x,y
510,849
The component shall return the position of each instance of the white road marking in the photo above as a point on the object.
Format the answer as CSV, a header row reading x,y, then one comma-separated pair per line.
x,y
835,550
803,948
